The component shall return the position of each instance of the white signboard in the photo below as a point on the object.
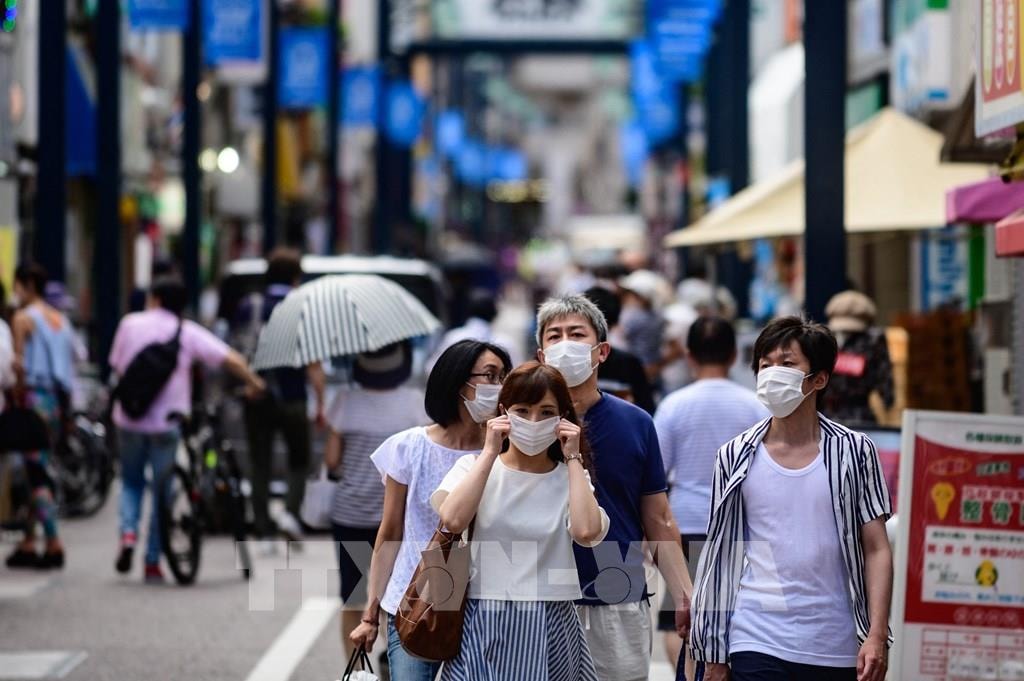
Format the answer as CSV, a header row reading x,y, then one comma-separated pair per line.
x,y
536,19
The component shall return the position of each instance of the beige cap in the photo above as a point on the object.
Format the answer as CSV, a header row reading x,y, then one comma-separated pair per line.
x,y
850,311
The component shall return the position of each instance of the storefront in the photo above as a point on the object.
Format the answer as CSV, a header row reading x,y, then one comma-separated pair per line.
x,y
900,250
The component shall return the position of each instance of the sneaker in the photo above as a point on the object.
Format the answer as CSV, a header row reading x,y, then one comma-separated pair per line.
x,y
289,526
23,559
154,575
124,558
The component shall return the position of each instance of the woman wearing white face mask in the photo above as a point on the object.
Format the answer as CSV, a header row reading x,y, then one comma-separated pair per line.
x,y
412,464
796,576
527,503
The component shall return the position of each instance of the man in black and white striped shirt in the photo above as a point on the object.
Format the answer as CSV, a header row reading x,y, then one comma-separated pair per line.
x,y
795,581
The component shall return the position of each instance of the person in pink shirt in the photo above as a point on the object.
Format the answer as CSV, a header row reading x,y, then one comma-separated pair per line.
x,y
153,439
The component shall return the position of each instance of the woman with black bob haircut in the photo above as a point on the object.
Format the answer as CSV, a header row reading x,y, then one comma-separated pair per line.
x,y
461,395
525,511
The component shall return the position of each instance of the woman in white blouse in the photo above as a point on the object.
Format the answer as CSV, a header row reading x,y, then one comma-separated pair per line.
x,y
527,502
461,395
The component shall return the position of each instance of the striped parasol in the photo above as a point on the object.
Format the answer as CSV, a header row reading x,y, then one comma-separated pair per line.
x,y
340,315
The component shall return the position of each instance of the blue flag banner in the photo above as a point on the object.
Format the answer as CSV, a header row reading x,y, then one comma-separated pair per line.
x,y
471,163
680,34
404,113
360,96
80,129
305,63
232,31
450,133
158,15
654,97
509,166
633,148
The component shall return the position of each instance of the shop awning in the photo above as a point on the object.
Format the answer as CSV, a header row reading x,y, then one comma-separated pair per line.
x,y
894,181
990,200
1010,235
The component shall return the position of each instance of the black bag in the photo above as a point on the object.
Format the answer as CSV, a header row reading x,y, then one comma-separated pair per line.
x,y
23,430
146,375
358,659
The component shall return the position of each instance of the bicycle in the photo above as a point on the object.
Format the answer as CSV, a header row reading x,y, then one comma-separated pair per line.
x,y
83,464
190,496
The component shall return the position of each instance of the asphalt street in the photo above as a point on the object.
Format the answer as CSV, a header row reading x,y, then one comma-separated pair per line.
x,y
87,622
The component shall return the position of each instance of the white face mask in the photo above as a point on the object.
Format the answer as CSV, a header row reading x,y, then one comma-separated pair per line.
x,y
485,405
572,359
533,437
780,389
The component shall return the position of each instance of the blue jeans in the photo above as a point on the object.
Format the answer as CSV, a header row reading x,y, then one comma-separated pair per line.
x,y
403,666
138,449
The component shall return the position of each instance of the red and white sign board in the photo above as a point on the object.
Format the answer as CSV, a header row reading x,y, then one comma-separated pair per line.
x,y
999,96
958,604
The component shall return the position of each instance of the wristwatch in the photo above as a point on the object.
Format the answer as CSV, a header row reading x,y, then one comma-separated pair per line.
x,y
574,457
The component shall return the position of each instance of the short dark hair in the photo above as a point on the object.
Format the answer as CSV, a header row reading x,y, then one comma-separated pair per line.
x,y
32,274
607,302
284,266
171,293
711,340
481,306
450,374
816,341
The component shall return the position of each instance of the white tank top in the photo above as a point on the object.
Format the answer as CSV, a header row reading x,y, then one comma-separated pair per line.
x,y
794,596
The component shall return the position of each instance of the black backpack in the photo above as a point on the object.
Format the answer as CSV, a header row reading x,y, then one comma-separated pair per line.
x,y
146,375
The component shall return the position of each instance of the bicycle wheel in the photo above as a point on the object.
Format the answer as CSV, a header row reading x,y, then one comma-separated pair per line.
x,y
181,532
83,468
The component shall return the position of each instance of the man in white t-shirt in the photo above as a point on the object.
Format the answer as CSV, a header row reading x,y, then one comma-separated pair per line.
x,y
795,580
692,423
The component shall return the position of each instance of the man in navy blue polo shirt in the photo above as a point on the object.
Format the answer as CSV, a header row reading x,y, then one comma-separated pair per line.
x,y
631,487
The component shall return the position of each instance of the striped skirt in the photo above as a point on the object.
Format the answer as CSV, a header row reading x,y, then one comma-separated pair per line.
x,y
521,641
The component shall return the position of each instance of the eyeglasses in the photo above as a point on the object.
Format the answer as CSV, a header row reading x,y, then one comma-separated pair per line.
x,y
490,377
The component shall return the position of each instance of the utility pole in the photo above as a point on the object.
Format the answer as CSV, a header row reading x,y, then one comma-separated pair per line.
x,y
269,184
192,45
728,153
333,123
51,193
380,238
825,147
107,245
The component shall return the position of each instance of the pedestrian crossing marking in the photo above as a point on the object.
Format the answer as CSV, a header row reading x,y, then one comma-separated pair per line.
x,y
290,647
20,586
40,664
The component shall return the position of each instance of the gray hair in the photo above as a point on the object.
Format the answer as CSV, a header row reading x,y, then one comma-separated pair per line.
x,y
564,306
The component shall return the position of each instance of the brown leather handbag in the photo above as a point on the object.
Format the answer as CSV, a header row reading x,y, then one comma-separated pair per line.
x,y
429,618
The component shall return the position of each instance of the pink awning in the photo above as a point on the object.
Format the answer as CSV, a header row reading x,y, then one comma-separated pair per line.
x,y
987,201
1010,235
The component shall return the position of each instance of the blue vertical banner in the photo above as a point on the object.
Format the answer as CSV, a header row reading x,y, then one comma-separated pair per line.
x,y
471,163
450,133
232,31
654,98
403,115
360,96
633,148
158,15
80,129
679,34
304,64
512,166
